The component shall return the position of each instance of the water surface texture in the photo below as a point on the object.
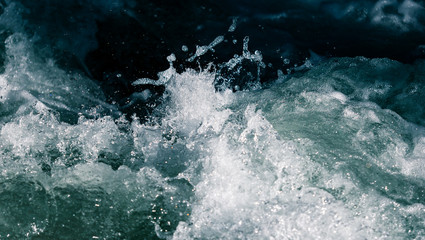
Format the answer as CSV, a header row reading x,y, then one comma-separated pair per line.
x,y
126,119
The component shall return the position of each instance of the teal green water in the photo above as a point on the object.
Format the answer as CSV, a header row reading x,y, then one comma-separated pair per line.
x,y
336,152
323,154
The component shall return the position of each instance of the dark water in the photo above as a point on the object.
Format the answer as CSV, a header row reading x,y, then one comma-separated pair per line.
x,y
125,119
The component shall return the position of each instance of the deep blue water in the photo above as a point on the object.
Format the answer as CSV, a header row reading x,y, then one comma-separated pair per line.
x,y
131,119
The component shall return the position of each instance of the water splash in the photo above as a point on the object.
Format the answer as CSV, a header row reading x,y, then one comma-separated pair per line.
x,y
201,50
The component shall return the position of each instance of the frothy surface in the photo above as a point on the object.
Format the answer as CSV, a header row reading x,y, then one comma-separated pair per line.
x,y
333,150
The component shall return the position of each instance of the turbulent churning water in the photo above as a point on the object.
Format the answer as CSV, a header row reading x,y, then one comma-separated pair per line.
x,y
335,152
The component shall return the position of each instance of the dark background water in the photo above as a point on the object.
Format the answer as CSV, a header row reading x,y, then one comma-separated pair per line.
x,y
117,42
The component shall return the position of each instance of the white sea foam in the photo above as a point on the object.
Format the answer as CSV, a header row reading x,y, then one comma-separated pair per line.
x,y
264,179
264,164
315,156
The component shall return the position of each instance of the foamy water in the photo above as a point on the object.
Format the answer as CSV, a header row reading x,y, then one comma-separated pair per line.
x,y
335,152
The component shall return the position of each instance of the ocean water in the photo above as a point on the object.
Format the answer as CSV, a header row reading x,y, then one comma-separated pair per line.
x,y
223,143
